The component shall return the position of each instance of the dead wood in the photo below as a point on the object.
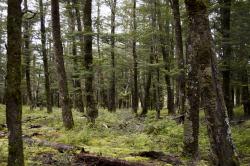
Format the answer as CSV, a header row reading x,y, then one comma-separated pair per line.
x,y
85,159
170,159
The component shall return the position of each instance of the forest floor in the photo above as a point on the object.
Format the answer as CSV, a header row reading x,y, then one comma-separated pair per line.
x,y
115,135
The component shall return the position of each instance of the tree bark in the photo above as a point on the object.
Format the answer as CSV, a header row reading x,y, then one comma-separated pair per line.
x,y
245,92
92,111
201,51
13,89
45,58
62,78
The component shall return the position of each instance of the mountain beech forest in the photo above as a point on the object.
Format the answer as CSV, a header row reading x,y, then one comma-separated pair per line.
x,y
125,82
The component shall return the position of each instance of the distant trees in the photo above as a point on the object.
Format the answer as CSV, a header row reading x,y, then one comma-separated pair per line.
x,y
13,86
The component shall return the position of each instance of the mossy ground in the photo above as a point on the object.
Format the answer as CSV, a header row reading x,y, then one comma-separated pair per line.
x,y
115,135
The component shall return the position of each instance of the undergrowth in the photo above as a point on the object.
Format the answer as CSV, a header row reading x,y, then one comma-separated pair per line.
x,y
116,135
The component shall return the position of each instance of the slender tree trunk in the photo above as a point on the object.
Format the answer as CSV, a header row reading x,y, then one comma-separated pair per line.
x,y
45,58
238,94
180,56
27,56
166,58
135,99
78,99
112,100
147,100
13,89
226,47
201,50
92,111
62,78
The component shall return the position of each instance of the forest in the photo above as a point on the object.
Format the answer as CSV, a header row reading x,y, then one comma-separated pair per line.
x,y
125,82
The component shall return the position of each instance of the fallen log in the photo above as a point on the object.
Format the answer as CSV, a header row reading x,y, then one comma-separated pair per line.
x,y
86,159
58,146
160,156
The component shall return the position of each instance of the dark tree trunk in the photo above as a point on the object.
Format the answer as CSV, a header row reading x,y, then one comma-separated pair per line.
x,y
112,95
135,98
226,47
92,111
62,78
238,96
201,50
13,87
245,92
181,87
45,59
166,59
78,99
27,51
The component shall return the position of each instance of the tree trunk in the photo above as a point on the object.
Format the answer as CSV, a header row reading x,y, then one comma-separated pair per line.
x,y
201,51
78,99
62,78
181,87
226,55
245,92
13,89
92,111
166,59
135,99
27,52
45,58
112,100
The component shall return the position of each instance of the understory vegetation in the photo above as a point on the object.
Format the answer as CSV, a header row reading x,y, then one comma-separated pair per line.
x,y
116,135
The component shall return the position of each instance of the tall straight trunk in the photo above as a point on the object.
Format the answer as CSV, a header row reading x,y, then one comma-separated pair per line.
x,y
45,59
166,58
78,99
245,92
135,98
147,87
226,48
92,111
27,52
13,89
112,95
62,78
237,96
202,53
180,56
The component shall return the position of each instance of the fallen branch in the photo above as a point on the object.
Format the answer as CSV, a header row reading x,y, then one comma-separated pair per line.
x,y
85,159
29,119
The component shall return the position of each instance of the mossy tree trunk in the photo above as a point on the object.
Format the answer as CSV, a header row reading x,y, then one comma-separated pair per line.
x,y
45,58
27,54
62,79
13,87
205,69
91,109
